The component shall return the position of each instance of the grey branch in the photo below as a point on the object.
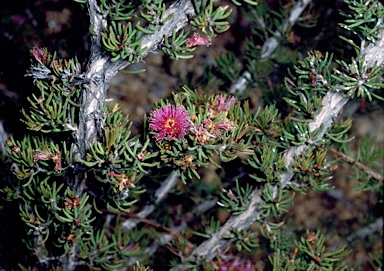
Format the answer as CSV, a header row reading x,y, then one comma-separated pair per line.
x,y
160,194
270,44
366,231
3,139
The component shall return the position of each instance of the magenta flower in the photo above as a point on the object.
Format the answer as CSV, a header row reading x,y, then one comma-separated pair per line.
x,y
170,121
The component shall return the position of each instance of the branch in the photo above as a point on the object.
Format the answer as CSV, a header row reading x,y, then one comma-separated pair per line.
x,y
175,231
271,44
160,194
366,231
369,171
3,139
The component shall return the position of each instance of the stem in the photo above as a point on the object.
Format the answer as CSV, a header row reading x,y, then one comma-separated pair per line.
x,y
369,171
270,45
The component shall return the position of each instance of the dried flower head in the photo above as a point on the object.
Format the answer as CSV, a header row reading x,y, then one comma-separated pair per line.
x,y
123,180
202,134
56,65
170,121
70,203
41,155
311,237
56,158
186,162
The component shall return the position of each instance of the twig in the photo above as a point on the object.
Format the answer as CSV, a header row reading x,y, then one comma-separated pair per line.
x,y
366,231
3,139
270,45
369,171
176,230
139,219
160,194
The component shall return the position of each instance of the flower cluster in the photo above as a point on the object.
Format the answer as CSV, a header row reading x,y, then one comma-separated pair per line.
x,y
224,104
173,121
217,122
188,140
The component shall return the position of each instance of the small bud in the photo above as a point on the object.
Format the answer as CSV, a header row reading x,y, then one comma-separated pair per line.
x,y
311,237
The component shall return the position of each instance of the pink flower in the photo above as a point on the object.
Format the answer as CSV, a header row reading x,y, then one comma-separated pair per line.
x,y
40,54
224,104
171,121
130,246
197,40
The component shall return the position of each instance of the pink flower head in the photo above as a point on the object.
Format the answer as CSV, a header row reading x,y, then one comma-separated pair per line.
x,y
40,155
224,104
171,121
197,40
40,54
